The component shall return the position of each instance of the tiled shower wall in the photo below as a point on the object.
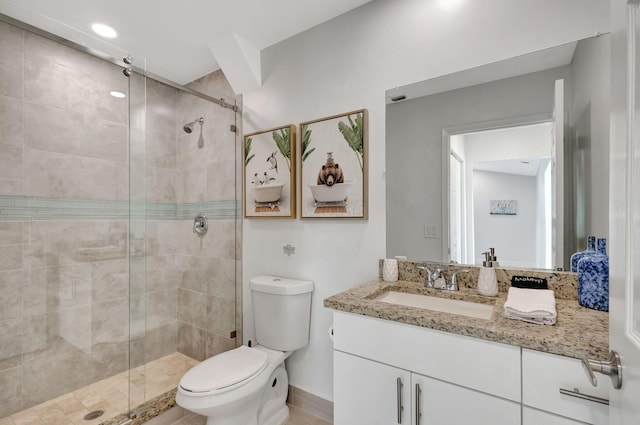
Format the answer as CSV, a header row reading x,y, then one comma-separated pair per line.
x,y
64,207
198,174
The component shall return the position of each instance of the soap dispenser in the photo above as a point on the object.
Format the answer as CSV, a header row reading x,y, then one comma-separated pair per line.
x,y
487,280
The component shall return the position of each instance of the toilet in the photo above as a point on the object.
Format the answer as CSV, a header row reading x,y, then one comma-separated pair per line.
x,y
248,385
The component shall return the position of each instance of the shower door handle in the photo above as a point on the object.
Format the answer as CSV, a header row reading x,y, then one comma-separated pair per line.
x,y
200,225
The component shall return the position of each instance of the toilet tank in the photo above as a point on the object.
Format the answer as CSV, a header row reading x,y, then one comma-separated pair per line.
x,y
281,312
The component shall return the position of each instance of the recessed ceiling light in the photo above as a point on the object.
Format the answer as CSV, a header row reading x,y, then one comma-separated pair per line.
x,y
104,30
117,94
450,5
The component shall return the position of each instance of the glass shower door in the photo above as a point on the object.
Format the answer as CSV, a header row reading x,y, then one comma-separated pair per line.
x,y
107,296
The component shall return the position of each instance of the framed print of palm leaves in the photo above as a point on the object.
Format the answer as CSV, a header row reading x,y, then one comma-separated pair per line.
x,y
269,173
333,166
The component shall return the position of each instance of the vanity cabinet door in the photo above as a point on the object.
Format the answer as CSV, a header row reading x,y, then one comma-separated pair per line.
x,y
442,403
367,392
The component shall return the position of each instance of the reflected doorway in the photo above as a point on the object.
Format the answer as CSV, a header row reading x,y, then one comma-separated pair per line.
x,y
456,207
492,168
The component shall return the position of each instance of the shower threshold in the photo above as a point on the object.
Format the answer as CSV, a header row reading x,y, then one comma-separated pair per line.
x,y
144,383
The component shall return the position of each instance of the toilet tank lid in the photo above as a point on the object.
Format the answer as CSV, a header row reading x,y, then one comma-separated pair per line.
x,y
280,285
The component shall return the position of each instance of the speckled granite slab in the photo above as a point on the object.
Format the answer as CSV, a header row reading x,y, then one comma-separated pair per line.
x,y
147,410
563,284
579,332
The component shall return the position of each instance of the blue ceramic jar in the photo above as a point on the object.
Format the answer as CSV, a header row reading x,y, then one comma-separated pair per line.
x,y
593,279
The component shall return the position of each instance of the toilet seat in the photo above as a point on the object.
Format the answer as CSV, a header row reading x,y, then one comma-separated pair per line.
x,y
225,371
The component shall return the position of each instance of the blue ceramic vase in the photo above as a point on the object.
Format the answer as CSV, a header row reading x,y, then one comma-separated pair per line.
x,y
593,279
591,249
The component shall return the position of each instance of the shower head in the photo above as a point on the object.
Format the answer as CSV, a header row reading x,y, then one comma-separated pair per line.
x,y
188,127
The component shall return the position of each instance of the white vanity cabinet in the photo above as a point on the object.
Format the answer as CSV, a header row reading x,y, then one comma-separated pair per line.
x,y
379,366
545,375
375,393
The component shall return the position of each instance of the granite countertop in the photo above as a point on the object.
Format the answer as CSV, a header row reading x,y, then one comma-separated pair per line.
x,y
579,332
146,411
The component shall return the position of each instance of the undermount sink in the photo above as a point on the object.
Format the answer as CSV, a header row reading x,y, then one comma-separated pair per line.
x,y
444,305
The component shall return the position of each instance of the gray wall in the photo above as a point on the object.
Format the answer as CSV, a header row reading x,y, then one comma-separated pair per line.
x,y
590,139
414,150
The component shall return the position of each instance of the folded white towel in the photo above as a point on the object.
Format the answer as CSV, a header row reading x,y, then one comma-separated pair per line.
x,y
531,305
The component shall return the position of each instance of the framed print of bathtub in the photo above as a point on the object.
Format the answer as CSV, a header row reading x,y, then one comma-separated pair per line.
x,y
333,166
269,173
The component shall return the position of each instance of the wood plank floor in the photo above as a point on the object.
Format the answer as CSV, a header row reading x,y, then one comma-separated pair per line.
x,y
297,417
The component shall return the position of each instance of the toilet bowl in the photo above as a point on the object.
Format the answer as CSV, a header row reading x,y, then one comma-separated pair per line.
x,y
228,388
248,385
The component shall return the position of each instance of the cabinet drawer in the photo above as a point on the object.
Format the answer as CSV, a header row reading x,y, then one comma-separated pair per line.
x,y
537,417
543,375
470,362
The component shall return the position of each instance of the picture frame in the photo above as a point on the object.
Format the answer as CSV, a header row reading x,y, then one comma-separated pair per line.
x,y
334,167
503,207
270,173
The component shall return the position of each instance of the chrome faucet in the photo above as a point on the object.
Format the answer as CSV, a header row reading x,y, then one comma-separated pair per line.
x,y
453,284
432,276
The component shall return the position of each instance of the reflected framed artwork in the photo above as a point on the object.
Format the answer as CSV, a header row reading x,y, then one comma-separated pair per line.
x,y
503,207
334,166
269,173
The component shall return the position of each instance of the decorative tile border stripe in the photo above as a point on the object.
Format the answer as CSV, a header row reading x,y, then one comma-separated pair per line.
x,y
28,209
219,210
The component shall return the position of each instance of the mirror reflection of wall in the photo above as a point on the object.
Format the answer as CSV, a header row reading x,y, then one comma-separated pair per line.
x,y
420,168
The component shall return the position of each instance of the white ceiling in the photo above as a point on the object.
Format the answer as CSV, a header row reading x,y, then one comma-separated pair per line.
x,y
523,141
521,167
175,37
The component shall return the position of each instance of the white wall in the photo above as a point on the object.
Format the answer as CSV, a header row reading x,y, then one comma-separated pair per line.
x,y
513,236
347,64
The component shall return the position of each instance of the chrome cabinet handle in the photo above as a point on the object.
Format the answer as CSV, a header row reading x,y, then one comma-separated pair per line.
x,y
576,393
418,413
399,397
611,367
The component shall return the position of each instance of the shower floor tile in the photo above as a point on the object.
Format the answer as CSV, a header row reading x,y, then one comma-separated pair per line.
x,y
110,395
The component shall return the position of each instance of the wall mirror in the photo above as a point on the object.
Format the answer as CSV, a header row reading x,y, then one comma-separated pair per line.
x,y
512,155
